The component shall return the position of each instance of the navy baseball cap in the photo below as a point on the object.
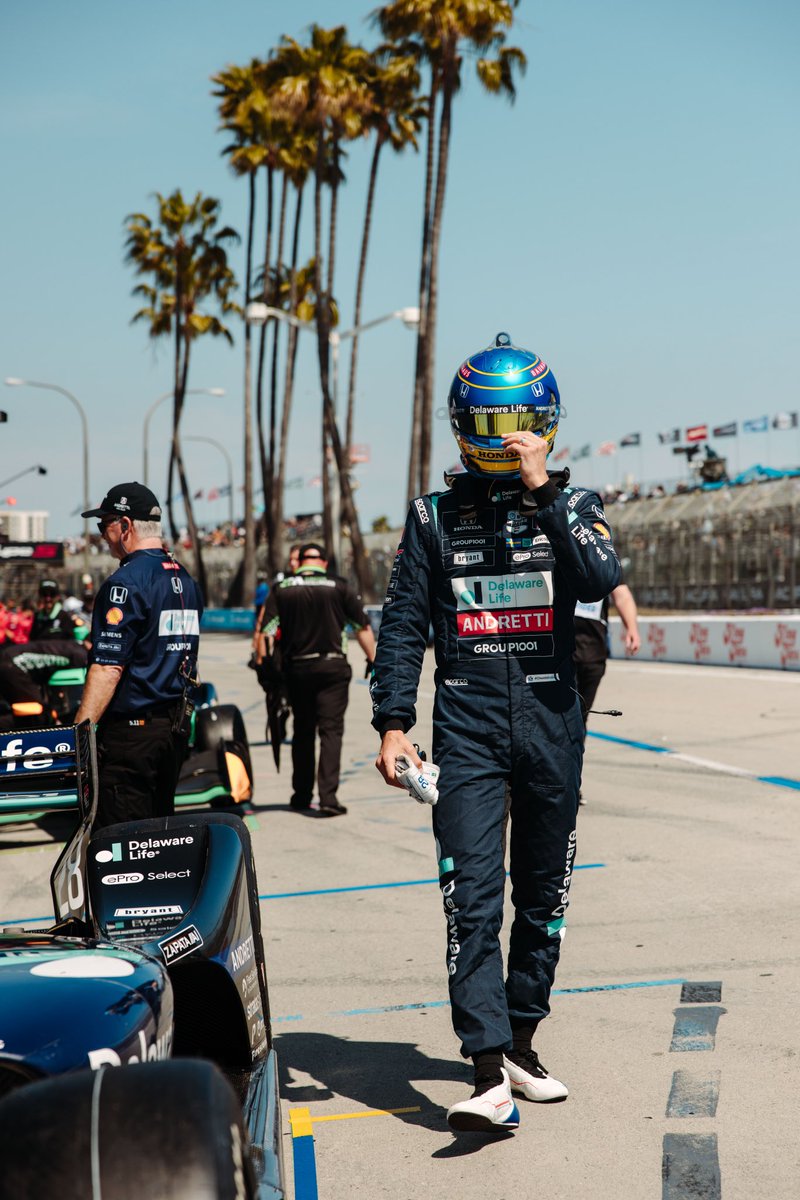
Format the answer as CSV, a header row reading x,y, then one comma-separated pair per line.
x,y
132,500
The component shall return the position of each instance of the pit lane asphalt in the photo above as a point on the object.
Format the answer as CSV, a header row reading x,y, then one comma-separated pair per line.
x,y
697,883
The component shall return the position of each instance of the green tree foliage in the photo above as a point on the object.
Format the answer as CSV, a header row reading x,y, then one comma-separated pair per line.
x,y
182,252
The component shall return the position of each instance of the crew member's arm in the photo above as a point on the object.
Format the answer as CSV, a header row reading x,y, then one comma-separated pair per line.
x,y
623,601
98,692
366,640
268,626
116,626
574,522
402,641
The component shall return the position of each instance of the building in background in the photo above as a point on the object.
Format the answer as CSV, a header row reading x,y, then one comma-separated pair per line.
x,y
19,526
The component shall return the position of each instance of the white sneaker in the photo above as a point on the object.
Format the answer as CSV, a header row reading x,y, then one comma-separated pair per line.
x,y
491,1112
532,1081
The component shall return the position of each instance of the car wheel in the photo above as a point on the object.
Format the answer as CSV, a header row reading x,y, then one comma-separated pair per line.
x,y
168,1131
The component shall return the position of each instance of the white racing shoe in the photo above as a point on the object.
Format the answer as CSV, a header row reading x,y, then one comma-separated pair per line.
x,y
494,1111
530,1079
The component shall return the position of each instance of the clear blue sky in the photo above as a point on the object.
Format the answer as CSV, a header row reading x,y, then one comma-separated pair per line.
x,y
633,218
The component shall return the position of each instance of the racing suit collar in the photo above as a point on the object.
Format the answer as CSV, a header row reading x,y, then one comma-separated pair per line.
x,y
471,489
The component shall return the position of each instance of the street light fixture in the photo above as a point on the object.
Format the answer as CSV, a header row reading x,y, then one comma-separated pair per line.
x,y
222,450
12,381
36,467
152,409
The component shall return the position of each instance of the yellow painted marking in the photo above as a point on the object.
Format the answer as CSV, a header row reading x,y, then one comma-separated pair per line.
x,y
373,1112
300,1121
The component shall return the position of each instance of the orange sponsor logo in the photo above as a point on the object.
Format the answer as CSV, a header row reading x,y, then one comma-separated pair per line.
x,y
114,616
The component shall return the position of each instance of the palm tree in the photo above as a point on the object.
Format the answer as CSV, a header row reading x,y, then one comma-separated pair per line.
x,y
440,31
184,253
323,87
395,117
238,92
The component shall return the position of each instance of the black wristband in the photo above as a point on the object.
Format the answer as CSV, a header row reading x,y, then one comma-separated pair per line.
x,y
391,724
545,495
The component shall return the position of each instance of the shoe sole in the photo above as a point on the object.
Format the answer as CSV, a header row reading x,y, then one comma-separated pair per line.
x,y
463,1122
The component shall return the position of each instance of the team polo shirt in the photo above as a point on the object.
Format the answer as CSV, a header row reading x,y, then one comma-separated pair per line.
x,y
146,619
312,612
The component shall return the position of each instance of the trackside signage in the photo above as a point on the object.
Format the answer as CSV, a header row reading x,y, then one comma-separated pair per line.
x,y
770,642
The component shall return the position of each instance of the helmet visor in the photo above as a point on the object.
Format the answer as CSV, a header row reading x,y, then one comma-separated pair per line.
x,y
478,420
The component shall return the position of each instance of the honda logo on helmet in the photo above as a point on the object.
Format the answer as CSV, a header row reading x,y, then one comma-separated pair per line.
x,y
537,389
464,391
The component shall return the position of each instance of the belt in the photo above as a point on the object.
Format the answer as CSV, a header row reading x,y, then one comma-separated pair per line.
x,y
143,714
311,657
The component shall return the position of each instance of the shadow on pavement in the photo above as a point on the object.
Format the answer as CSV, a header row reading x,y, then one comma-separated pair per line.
x,y
372,1074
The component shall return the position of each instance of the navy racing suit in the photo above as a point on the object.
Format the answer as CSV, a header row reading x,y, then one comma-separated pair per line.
x,y
497,570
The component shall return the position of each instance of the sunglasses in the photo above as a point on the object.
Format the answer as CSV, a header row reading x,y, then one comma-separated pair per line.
x,y
103,525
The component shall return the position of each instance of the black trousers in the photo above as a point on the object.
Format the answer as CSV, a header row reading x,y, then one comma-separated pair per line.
x,y
318,696
139,764
587,681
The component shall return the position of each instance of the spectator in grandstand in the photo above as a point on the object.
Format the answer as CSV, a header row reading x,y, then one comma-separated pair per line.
x,y
592,645
20,621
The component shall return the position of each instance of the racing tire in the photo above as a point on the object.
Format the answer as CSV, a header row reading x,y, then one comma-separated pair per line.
x,y
223,724
166,1131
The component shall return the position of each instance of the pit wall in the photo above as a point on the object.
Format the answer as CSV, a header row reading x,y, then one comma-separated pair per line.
x,y
770,641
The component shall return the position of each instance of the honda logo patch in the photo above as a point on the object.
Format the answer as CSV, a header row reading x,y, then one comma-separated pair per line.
x,y
119,595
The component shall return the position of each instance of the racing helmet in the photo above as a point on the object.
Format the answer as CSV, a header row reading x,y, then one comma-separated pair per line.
x,y
502,389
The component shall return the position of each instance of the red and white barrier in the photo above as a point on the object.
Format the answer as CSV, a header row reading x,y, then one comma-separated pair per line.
x,y
716,641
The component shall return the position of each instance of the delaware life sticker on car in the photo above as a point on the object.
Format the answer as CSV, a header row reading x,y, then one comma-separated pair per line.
x,y
504,616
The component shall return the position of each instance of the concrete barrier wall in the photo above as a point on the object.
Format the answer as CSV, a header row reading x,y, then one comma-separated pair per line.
x,y
717,641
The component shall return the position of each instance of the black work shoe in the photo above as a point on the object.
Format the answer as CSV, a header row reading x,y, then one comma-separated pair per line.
x,y
299,805
332,809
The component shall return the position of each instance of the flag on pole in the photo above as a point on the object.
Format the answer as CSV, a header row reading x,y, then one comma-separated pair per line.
x,y
295,482
561,454
631,439
359,454
198,494
755,425
697,433
584,452
225,490
669,437
785,420
728,430
316,481
213,494
606,448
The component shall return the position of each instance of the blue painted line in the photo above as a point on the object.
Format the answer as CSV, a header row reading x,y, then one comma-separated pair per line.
x,y
305,1168
774,780
780,781
361,887
690,1167
373,887
391,1008
607,737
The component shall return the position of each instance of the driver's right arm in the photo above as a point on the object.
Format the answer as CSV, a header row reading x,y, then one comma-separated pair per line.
x,y
403,638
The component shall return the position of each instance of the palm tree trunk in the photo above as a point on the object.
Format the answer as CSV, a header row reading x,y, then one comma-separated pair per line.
x,y
269,486
426,414
247,585
191,524
177,405
362,270
262,346
323,343
413,486
288,389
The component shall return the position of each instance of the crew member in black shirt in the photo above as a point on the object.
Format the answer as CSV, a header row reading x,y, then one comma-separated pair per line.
x,y
56,641
145,637
310,613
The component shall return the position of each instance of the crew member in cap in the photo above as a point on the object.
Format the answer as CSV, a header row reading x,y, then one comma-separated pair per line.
x,y
145,636
56,641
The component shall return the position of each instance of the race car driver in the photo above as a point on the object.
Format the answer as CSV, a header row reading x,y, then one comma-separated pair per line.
x,y
497,563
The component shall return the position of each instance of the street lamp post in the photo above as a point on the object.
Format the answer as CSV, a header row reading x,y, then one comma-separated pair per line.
x,y
11,381
257,313
152,409
222,450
